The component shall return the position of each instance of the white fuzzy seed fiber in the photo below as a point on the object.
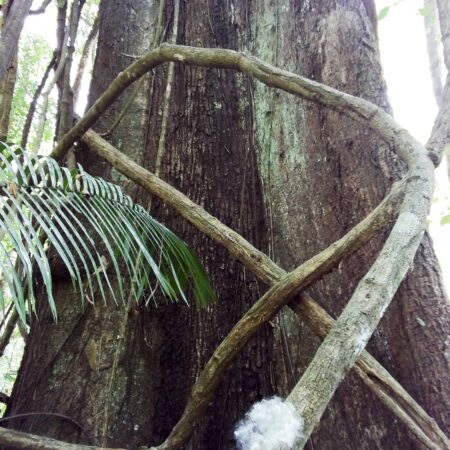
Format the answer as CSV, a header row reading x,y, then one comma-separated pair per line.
x,y
271,424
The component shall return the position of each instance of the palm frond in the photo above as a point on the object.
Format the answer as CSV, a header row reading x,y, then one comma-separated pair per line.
x,y
101,237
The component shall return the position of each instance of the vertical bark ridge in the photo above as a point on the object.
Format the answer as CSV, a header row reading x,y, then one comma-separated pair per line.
x,y
210,157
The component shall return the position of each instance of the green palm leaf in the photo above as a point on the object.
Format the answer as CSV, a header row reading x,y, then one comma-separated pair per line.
x,y
97,232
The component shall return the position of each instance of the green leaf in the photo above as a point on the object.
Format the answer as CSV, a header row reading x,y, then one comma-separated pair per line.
x,y
383,12
426,10
97,231
445,219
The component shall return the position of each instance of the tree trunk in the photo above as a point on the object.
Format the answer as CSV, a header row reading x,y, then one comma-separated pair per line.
x,y
6,96
140,368
8,83
322,173
435,26
433,37
11,29
288,175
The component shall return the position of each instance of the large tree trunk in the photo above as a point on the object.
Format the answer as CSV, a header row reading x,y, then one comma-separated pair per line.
x,y
103,355
126,377
322,173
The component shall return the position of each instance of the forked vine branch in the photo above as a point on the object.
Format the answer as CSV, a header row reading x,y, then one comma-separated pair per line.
x,y
349,335
374,293
368,369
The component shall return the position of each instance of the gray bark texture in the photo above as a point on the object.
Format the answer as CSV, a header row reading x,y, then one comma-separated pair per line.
x,y
140,367
12,27
8,82
291,177
316,193
441,132
437,29
433,38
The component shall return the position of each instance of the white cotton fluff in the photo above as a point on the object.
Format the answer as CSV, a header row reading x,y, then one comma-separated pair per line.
x,y
271,424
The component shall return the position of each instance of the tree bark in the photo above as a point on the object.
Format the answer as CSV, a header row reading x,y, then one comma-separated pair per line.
x,y
10,33
322,173
6,96
433,38
437,24
104,355
126,379
162,350
8,83
87,50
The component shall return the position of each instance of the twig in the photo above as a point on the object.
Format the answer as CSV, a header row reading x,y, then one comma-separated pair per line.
x,y
9,329
41,8
26,441
50,414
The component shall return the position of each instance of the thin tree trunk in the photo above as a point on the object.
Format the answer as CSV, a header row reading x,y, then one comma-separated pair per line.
x,y
34,102
65,112
441,131
8,84
10,33
433,37
42,115
444,22
66,102
62,38
8,331
87,49
6,97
